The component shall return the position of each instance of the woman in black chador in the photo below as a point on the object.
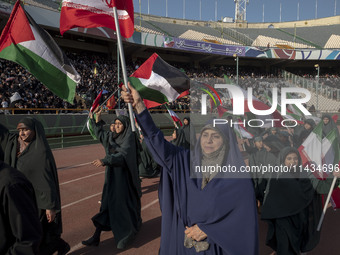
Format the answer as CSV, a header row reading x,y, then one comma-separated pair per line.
x,y
120,209
30,153
292,206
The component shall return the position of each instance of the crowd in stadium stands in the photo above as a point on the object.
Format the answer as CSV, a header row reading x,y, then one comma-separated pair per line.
x,y
19,89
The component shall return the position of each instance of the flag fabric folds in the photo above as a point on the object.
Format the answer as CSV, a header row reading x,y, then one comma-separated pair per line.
x,y
174,116
319,153
96,101
97,13
242,132
111,103
157,81
24,42
90,127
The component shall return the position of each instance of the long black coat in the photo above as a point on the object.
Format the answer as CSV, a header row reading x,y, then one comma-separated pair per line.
x,y
20,230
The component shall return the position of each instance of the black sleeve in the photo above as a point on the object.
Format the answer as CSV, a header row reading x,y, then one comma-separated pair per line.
x,y
23,219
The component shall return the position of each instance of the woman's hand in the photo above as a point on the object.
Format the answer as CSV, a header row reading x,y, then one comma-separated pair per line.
x,y
50,215
133,97
195,233
97,163
98,112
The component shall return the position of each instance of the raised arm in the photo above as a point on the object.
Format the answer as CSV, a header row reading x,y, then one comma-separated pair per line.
x,y
161,150
97,125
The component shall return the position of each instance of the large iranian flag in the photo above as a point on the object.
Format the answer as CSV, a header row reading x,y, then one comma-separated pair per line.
x,y
159,82
321,155
97,13
24,42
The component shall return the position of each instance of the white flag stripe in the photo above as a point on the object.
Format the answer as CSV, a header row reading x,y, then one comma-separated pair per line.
x,y
39,47
160,84
313,149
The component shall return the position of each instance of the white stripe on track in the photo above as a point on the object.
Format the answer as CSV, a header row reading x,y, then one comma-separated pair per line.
x,y
81,178
149,204
79,245
81,200
74,166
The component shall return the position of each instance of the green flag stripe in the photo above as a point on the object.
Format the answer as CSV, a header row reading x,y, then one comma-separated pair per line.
x,y
147,93
54,79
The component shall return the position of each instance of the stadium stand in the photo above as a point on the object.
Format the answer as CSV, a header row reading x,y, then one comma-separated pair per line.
x,y
197,36
264,41
45,4
333,42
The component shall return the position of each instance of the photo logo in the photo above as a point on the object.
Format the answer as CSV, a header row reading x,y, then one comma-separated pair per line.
x,y
239,98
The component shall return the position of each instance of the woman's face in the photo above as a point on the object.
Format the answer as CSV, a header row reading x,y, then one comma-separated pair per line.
x,y
119,127
186,122
174,135
25,134
211,141
325,120
291,159
259,145
308,126
112,128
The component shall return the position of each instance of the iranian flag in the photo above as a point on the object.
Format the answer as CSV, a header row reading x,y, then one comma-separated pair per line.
x,y
97,13
159,82
319,153
24,42
173,115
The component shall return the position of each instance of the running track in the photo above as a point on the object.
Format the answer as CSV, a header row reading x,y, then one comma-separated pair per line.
x,y
81,186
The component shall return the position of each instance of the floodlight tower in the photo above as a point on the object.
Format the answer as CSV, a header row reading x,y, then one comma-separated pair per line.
x,y
241,10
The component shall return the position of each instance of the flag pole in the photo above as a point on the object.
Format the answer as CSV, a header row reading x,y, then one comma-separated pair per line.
x,y
326,203
107,99
122,58
88,116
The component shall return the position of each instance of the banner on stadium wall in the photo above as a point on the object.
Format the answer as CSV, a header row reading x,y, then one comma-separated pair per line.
x,y
203,47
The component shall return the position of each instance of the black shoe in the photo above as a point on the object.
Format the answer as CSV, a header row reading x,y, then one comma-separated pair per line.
x,y
92,241
63,248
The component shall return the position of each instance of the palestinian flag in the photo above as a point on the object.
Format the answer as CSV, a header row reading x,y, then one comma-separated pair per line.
x,y
97,13
157,81
24,42
90,127
318,153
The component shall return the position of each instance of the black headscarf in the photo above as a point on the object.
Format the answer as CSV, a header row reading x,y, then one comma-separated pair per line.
x,y
311,122
37,163
287,193
189,134
329,127
180,139
274,143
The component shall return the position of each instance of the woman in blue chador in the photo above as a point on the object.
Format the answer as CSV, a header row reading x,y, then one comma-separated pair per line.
x,y
207,214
